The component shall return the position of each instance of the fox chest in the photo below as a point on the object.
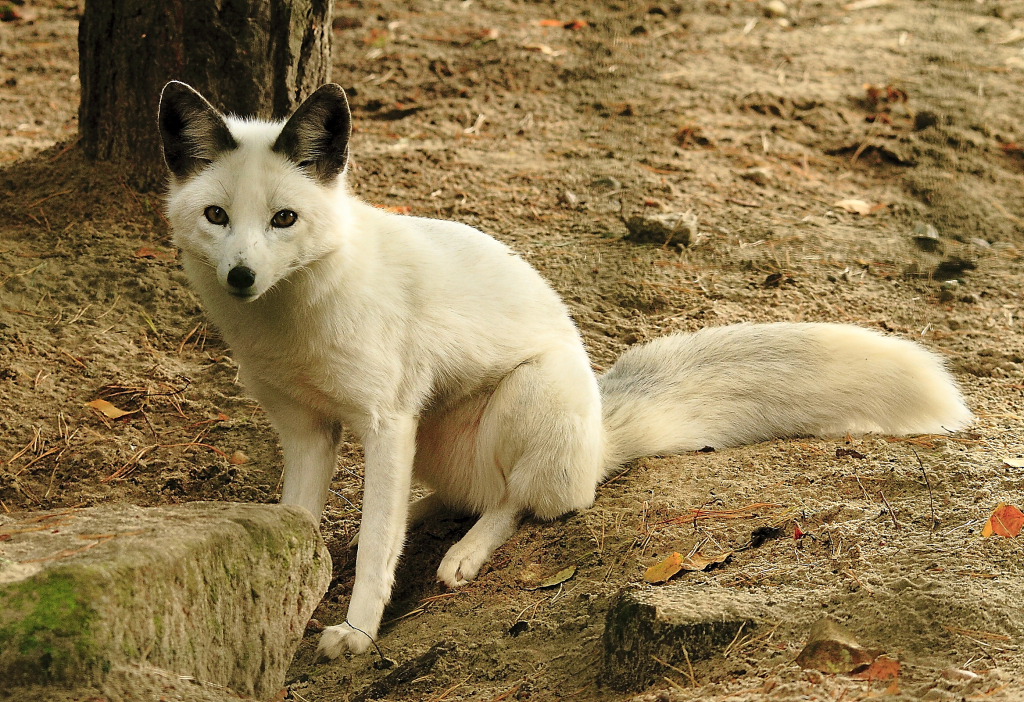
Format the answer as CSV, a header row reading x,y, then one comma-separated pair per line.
x,y
330,382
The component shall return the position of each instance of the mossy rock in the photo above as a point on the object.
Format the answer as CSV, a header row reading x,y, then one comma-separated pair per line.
x,y
217,592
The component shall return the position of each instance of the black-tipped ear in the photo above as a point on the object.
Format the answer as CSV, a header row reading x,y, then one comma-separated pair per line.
x,y
192,131
316,136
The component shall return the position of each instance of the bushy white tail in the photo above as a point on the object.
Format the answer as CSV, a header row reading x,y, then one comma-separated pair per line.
x,y
726,386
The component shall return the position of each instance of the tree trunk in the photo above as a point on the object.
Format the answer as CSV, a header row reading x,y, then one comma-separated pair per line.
x,y
248,57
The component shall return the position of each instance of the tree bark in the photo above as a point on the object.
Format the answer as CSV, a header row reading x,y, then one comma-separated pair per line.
x,y
247,57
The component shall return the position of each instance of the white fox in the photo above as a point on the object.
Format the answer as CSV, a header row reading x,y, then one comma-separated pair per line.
x,y
457,365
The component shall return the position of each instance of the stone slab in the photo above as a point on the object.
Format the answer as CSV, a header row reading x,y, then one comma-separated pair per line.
x,y
210,595
648,623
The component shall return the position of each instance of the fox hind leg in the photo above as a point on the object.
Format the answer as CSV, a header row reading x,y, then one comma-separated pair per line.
x,y
541,433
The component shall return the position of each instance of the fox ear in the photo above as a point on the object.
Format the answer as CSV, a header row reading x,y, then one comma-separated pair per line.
x,y
316,136
192,131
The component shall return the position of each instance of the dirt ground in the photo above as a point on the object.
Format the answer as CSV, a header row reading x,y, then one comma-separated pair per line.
x,y
758,118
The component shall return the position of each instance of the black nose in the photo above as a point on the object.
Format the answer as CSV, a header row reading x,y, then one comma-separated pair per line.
x,y
241,277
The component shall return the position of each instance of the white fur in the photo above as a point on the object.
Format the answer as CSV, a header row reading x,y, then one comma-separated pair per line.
x,y
458,366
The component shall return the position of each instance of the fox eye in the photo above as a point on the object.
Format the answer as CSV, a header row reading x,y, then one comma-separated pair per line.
x,y
284,218
216,215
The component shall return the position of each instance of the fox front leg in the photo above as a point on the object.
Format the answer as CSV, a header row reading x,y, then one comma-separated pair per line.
x,y
310,444
389,447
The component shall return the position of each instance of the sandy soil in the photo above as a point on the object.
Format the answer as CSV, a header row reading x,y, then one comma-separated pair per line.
x,y
544,136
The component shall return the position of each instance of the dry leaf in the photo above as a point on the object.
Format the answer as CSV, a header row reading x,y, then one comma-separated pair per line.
x,y
662,571
147,252
558,578
857,206
237,458
544,49
535,576
882,668
221,417
107,409
550,23
674,563
1013,462
865,4
832,649
1006,521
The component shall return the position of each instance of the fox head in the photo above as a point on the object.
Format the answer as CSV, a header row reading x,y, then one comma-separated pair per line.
x,y
254,200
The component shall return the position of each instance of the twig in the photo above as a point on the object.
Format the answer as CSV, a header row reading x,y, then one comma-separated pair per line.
x,y
65,150
728,649
450,690
28,447
931,503
673,683
40,457
39,202
678,670
888,507
693,680
872,131
68,552
188,336
130,465
612,480
700,513
190,444
73,359
868,499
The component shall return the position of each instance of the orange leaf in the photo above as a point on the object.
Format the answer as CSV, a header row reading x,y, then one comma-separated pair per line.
x,y
797,533
222,417
661,572
1006,521
147,252
550,23
107,409
397,209
883,668
674,562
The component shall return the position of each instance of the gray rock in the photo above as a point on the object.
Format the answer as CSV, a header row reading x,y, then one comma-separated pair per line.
x,y
761,176
659,623
926,237
210,598
663,229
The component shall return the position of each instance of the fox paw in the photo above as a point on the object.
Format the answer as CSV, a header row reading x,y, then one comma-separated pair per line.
x,y
460,565
340,638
